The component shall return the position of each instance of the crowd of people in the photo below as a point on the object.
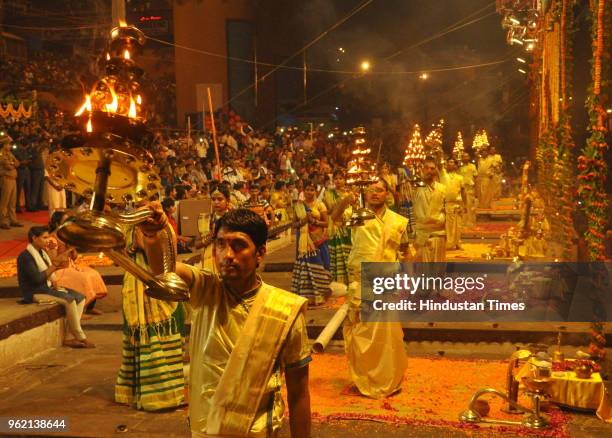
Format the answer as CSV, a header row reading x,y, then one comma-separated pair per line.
x,y
44,71
26,144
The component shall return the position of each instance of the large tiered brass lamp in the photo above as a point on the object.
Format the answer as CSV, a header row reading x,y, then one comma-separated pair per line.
x,y
109,163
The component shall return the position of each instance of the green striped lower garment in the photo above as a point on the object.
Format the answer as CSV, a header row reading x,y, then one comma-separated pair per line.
x,y
151,374
339,249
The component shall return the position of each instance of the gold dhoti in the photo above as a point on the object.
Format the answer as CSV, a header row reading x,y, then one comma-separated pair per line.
x,y
375,351
453,225
432,249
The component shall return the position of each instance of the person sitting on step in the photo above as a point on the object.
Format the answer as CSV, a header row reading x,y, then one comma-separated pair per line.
x,y
35,271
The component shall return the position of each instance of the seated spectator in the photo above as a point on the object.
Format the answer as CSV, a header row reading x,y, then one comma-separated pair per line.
x,y
239,195
35,273
259,205
77,275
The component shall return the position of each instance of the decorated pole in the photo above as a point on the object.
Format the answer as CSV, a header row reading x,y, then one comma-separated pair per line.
x,y
214,133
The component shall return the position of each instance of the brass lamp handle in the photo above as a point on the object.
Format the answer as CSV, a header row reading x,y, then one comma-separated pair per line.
x,y
135,217
168,285
168,248
123,260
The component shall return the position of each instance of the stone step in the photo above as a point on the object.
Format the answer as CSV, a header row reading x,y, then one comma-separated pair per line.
x,y
27,330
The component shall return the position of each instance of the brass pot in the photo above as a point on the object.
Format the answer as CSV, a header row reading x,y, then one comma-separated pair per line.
x,y
583,371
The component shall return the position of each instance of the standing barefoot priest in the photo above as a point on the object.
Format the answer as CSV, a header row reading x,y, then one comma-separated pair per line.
x,y
245,334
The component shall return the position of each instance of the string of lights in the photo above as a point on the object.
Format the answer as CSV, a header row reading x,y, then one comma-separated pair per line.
x,y
517,101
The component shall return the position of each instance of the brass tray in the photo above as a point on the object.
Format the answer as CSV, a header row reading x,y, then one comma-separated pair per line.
x,y
133,175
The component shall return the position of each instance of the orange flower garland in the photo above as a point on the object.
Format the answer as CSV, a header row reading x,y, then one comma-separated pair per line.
x,y
592,165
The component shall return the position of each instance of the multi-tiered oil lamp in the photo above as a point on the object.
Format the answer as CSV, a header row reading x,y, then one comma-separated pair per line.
x,y
109,162
414,156
361,173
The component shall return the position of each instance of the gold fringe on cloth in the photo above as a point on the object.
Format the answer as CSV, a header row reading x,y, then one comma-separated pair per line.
x,y
18,113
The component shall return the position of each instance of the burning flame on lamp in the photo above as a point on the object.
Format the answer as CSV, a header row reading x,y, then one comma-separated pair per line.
x,y
122,23
132,111
108,56
114,105
89,125
126,54
86,106
139,99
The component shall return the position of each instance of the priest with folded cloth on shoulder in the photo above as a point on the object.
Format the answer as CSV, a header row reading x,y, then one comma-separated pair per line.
x,y
245,335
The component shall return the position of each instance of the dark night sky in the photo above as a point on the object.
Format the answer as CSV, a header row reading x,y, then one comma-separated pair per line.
x,y
467,99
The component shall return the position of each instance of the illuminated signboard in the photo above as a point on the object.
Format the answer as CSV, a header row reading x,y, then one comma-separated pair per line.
x,y
155,23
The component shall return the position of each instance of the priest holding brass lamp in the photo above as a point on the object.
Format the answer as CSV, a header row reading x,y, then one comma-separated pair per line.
x,y
109,162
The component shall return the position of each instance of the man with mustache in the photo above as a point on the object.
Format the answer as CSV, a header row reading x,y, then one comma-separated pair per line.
x,y
245,335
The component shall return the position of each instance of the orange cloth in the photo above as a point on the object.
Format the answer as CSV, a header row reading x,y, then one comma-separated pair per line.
x,y
78,276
